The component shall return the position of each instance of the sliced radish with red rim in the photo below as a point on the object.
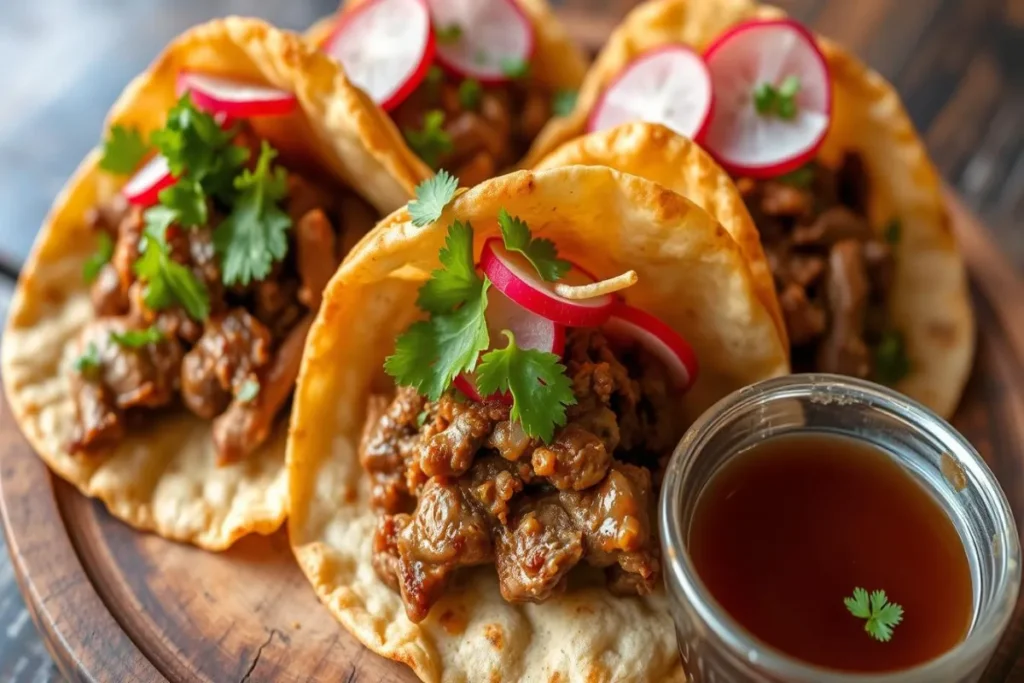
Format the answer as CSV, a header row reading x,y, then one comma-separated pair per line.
x,y
530,331
633,325
669,85
773,55
385,47
483,39
514,277
143,188
235,99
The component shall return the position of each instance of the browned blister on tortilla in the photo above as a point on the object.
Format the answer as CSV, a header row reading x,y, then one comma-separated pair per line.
x,y
929,303
691,274
163,476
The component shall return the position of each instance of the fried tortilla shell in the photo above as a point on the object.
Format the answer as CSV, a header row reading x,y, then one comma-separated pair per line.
x,y
557,62
163,477
691,274
930,301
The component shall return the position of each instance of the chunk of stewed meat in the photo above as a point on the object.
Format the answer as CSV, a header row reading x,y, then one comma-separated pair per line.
x,y
99,424
510,440
494,481
575,459
231,350
450,452
390,438
843,350
315,255
108,297
445,532
535,551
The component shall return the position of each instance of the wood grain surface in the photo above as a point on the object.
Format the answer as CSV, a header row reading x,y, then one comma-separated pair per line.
x,y
959,65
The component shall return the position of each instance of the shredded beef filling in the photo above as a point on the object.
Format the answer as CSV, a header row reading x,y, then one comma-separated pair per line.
x,y
253,336
487,132
459,484
832,271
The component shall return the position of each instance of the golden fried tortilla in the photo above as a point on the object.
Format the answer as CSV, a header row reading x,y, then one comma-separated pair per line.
x,y
692,275
930,302
163,478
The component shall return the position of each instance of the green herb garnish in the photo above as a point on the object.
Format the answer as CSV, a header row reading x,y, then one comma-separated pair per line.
x,y
123,150
446,35
89,362
167,281
541,253
802,177
470,93
99,258
515,68
893,231
891,362
432,141
563,102
432,352
186,198
882,616
249,390
256,233
780,101
432,195
537,381
421,419
134,339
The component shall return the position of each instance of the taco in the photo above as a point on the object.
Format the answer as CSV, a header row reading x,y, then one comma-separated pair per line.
x,y
155,334
470,85
475,498
852,220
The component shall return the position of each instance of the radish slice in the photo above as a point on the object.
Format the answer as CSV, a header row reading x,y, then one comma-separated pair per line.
x,y
531,332
628,323
669,85
143,188
490,37
747,57
232,98
386,47
518,280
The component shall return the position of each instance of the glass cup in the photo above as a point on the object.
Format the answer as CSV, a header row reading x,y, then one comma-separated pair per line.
x,y
713,646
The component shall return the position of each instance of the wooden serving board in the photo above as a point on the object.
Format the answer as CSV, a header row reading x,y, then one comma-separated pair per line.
x,y
116,605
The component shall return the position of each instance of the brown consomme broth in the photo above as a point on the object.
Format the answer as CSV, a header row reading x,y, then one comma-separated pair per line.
x,y
787,529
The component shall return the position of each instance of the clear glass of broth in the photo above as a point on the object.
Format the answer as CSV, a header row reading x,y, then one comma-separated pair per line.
x,y
789,494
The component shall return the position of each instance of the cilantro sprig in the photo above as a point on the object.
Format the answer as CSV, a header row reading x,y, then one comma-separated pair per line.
x,y
778,100
167,281
432,141
470,94
432,195
135,339
881,615
256,233
99,258
453,339
540,388
89,363
515,67
123,149
541,253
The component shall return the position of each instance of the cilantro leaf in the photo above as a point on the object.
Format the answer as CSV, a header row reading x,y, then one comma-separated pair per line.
x,y
470,92
446,35
457,280
563,102
421,419
89,362
433,141
780,100
432,195
193,142
882,616
123,150
893,231
890,358
99,258
541,253
432,352
515,68
167,281
134,339
540,388
186,198
255,234
249,390
802,177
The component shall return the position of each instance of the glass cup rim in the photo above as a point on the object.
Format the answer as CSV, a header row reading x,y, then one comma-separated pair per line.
x,y
682,575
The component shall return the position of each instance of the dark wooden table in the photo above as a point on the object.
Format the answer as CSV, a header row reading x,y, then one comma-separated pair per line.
x,y
959,65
